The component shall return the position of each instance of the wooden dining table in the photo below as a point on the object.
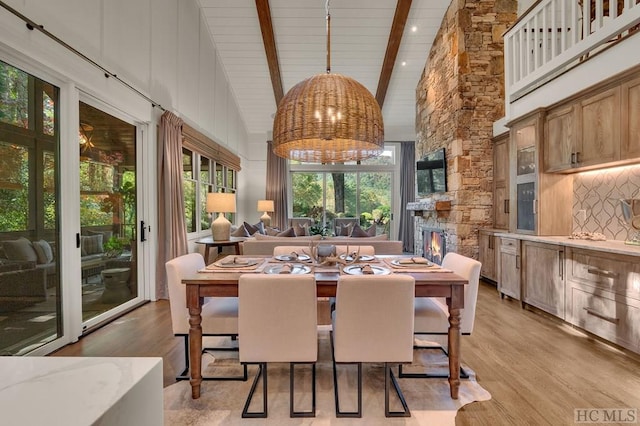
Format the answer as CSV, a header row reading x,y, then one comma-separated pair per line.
x,y
225,284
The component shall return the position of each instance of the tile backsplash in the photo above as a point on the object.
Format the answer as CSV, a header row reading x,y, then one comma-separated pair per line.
x,y
598,194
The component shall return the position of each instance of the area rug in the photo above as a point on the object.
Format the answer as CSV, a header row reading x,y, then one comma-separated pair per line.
x,y
221,402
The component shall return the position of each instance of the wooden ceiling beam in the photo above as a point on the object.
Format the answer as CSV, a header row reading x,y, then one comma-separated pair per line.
x,y
269,40
395,37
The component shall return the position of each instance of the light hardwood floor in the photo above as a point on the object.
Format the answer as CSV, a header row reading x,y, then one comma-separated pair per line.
x,y
537,368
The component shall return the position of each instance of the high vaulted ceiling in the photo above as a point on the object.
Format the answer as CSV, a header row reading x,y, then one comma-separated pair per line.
x,y
365,36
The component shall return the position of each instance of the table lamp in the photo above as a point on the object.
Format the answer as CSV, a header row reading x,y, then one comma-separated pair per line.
x,y
222,203
265,206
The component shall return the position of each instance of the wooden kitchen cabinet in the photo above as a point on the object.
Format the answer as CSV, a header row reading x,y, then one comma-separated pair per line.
x,y
599,137
509,268
560,138
541,201
603,295
543,277
487,254
501,206
630,144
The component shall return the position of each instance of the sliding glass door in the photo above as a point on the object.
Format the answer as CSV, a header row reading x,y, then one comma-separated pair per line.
x,y
30,292
108,213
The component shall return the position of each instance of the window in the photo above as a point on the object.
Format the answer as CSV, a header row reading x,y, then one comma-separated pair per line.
x,y
363,191
203,172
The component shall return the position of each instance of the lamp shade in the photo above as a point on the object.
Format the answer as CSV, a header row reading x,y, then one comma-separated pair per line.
x,y
265,206
223,202
328,118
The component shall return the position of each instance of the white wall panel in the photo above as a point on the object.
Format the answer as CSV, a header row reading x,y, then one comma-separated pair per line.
x,y
127,44
220,109
164,52
206,86
188,58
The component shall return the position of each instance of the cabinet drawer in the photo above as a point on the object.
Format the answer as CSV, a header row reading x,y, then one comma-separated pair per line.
x,y
620,274
617,321
509,245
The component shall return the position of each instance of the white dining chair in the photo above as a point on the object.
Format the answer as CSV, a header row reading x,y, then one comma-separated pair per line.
x,y
219,314
373,322
432,314
278,323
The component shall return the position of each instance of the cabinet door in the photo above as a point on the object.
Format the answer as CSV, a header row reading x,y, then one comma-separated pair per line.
x,y
501,183
543,277
487,255
559,141
599,140
509,268
630,147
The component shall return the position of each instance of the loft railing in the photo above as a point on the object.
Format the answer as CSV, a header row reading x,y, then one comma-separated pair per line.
x,y
556,35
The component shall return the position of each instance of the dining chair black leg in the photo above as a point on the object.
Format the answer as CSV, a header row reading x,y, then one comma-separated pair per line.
x,y
262,372
389,379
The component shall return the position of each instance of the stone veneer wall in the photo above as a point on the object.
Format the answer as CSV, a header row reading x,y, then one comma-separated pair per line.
x,y
459,96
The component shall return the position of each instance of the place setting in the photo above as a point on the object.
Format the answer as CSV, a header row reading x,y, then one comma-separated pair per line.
x,y
414,264
236,264
288,268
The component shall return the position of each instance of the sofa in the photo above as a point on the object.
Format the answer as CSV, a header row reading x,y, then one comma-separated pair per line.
x,y
264,245
21,283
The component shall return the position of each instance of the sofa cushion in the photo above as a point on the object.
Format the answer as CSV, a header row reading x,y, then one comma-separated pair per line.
x,y
259,237
301,230
44,252
271,231
106,235
344,230
252,229
20,249
91,244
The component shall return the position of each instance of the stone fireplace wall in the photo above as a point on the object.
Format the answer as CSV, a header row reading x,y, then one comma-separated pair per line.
x,y
459,96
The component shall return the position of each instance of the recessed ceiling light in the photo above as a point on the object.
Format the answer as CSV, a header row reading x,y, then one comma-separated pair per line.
x,y
414,28
404,63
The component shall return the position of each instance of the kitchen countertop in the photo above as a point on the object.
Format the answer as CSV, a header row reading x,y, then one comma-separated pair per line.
x,y
609,246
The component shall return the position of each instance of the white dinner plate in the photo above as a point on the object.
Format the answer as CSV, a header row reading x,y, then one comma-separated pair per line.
x,y
290,257
396,262
363,257
296,269
357,270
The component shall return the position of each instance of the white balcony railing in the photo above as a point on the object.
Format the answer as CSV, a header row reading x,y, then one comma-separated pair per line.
x,y
556,35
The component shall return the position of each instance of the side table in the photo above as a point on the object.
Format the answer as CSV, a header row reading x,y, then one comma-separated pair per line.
x,y
218,244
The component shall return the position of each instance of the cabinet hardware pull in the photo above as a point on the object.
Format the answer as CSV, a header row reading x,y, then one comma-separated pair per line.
x,y
517,261
535,206
561,263
573,158
577,157
603,273
601,316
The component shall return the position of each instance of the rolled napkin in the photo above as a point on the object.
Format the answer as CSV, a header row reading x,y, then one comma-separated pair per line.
x,y
414,261
367,270
286,268
236,261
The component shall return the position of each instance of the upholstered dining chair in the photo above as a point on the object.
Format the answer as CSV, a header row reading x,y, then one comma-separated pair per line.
x,y
278,323
432,314
219,315
373,322
368,250
286,250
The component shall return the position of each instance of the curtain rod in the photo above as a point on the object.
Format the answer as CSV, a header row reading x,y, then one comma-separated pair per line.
x,y
31,25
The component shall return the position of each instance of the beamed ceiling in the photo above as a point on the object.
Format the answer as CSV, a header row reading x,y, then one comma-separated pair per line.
x,y
268,46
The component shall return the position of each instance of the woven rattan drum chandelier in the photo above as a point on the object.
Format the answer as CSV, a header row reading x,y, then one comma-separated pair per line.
x,y
328,118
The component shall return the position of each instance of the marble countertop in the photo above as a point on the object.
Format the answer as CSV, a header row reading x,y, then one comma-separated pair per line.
x,y
609,246
78,390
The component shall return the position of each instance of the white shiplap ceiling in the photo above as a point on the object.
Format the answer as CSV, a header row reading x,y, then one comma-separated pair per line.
x,y
359,36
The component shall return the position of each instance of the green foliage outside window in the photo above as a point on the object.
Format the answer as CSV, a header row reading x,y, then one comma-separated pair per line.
x,y
14,96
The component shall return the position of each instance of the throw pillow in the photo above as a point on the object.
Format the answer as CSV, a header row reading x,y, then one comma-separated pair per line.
x,y
287,233
371,231
359,232
301,230
20,249
252,229
44,252
239,231
271,231
344,230
91,244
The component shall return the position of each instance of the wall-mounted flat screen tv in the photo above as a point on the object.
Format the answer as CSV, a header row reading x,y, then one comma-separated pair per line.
x,y
431,173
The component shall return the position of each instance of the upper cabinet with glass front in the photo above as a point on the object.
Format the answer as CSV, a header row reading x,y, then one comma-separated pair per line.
x,y
541,202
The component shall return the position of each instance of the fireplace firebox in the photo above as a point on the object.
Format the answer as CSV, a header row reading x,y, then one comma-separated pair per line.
x,y
434,244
